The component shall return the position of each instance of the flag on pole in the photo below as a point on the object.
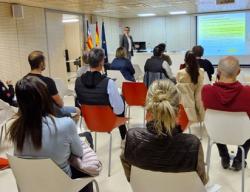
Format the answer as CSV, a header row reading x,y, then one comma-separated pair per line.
x,y
104,44
97,38
89,38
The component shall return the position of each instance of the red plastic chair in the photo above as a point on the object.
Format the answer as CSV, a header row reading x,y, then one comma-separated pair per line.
x,y
182,118
134,94
4,163
100,118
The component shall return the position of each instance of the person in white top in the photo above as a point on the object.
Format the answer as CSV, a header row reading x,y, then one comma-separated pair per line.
x,y
127,42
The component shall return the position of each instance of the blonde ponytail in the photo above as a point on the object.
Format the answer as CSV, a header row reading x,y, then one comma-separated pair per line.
x,y
163,103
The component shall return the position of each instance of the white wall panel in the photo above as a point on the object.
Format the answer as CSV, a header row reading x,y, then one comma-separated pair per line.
x,y
9,54
56,45
31,36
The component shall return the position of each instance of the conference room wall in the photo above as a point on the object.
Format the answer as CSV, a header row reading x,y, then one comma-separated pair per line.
x,y
18,37
178,32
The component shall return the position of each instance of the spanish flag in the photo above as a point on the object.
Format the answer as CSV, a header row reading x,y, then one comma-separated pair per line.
x,y
97,38
89,38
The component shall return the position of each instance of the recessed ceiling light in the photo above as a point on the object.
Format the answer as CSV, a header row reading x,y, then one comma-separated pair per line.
x,y
70,20
177,12
146,14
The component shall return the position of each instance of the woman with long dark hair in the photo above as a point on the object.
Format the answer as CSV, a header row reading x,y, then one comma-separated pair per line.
x,y
37,133
190,82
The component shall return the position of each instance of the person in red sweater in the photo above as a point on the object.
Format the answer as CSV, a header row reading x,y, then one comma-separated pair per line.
x,y
228,94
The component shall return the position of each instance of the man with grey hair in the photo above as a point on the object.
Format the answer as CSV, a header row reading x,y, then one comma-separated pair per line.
x,y
94,88
228,94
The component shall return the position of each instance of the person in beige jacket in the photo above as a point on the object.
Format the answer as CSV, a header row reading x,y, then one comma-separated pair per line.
x,y
189,83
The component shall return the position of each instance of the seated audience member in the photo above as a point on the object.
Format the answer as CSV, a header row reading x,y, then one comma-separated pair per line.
x,y
203,63
189,83
165,57
228,94
156,68
37,64
85,67
7,93
37,133
162,146
122,63
94,88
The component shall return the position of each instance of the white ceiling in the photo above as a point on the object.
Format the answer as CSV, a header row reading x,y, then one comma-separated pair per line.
x,y
130,8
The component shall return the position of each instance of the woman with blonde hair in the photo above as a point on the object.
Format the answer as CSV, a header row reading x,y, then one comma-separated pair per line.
x,y
162,146
123,64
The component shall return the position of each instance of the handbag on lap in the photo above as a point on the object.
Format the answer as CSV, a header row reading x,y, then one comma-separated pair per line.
x,y
89,163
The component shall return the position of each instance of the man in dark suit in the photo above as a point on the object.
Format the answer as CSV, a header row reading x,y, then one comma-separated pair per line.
x,y
127,42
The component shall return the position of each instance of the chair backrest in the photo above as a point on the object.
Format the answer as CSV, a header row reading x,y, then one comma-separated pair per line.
x,y
39,175
134,93
149,181
116,76
6,111
99,118
62,88
138,72
224,127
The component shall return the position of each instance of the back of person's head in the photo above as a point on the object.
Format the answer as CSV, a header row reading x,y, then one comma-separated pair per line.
x,y
157,52
34,103
85,57
198,51
192,66
162,102
121,52
36,59
162,47
96,57
229,67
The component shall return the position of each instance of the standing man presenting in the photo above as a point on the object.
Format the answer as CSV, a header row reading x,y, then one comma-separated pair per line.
x,y
127,42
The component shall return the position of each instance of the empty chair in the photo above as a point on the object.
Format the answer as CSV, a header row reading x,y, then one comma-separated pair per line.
x,y
6,112
230,128
138,73
100,118
40,175
134,95
149,181
116,76
63,90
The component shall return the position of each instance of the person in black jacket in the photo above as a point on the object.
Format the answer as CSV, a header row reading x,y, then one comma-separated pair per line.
x,y
162,146
127,42
7,93
204,63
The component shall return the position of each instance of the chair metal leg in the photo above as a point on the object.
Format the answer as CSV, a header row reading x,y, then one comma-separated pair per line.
x,y
200,130
209,158
208,148
144,118
95,142
243,169
128,116
96,186
110,150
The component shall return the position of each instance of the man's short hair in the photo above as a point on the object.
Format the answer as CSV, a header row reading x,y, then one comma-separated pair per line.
x,y
198,50
127,28
229,66
96,55
35,58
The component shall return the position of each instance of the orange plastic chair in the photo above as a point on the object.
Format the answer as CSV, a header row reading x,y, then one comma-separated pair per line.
x,y
182,118
134,94
100,118
4,163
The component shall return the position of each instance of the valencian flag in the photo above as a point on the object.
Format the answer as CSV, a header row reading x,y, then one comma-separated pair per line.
x,y
104,44
97,38
89,38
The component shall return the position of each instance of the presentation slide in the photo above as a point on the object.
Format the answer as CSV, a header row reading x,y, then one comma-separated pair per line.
x,y
224,34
